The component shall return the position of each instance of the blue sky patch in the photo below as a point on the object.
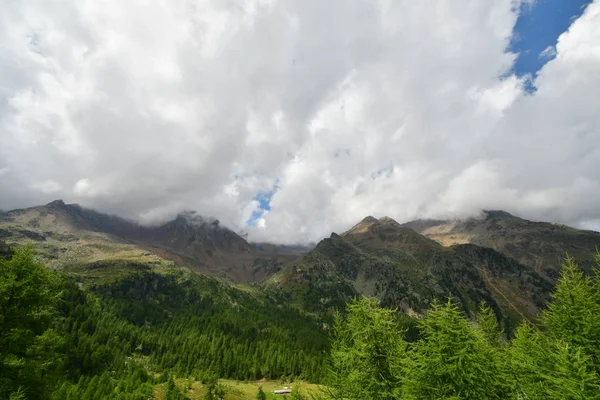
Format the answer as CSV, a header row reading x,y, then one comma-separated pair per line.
x,y
264,200
537,30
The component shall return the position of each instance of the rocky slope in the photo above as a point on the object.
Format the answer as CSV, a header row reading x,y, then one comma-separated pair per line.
x,y
380,257
540,245
505,261
70,236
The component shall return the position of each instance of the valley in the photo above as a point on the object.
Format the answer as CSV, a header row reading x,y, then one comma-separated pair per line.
x,y
192,302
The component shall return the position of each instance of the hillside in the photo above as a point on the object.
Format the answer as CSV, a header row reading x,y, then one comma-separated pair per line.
x,y
540,245
121,336
380,257
141,305
70,236
500,259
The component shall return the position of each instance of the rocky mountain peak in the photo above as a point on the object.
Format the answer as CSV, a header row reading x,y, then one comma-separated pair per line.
x,y
363,226
57,204
498,214
388,221
368,220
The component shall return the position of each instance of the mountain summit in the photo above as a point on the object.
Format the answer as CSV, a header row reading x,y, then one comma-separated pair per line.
x,y
67,233
540,245
404,269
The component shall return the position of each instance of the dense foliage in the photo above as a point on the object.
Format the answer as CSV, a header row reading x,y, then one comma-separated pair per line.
x,y
28,297
455,358
118,340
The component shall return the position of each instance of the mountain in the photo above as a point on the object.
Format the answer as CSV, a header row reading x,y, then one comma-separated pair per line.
x,y
141,304
138,304
503,260
382,258
540,245
68,235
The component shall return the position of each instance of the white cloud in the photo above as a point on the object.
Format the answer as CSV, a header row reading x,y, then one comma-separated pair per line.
x,y
348,107
548,52
46,187
83,187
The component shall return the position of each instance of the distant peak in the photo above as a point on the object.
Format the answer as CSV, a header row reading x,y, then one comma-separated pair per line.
x,y
497,214
369,220
191,219
187,214
363,226
56,204
388,220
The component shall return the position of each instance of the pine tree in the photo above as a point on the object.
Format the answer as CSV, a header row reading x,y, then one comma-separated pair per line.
x,y
489,326
214,390
453,360
261,394
173,392
574,313
29,295
545,367
366,354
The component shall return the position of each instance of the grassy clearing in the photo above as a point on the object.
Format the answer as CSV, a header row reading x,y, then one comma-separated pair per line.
x,y
237,390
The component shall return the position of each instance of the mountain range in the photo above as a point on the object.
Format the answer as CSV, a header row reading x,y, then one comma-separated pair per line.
x,y
68,235
508,262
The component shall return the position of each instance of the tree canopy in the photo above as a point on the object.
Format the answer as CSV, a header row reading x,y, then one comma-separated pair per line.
x,y
456,358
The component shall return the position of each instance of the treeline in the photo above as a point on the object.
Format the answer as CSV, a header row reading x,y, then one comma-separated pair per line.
x,y
118,340
455,358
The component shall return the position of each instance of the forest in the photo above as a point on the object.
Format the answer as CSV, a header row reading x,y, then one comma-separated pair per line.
x,y
122,339
119,340
454,358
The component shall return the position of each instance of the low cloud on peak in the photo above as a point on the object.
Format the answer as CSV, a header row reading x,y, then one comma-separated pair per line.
x,y
292,119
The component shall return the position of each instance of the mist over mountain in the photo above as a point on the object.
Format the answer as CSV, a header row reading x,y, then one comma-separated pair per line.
x,y
342,199
287,125
189,240
201,277
541,245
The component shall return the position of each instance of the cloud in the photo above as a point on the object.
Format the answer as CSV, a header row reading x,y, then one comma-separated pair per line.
x,y
548,53
145,108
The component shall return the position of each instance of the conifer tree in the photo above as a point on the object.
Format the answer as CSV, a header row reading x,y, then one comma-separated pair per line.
x,y
367,352
261,394
489,326
573,315
453,360
214,390
545,367
29,295
296,394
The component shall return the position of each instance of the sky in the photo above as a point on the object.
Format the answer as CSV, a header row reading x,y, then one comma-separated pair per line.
x,y
291,119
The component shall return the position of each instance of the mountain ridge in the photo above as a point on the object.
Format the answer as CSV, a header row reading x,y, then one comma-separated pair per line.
x,y
404,265
189,240
406,270
541,245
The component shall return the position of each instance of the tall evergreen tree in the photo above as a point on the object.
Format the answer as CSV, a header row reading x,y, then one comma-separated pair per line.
x,y
453,360
28,298
573,316
489,326
545,367
367,352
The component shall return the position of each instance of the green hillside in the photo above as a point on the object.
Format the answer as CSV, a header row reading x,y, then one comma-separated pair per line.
x,y
97,307
118,337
